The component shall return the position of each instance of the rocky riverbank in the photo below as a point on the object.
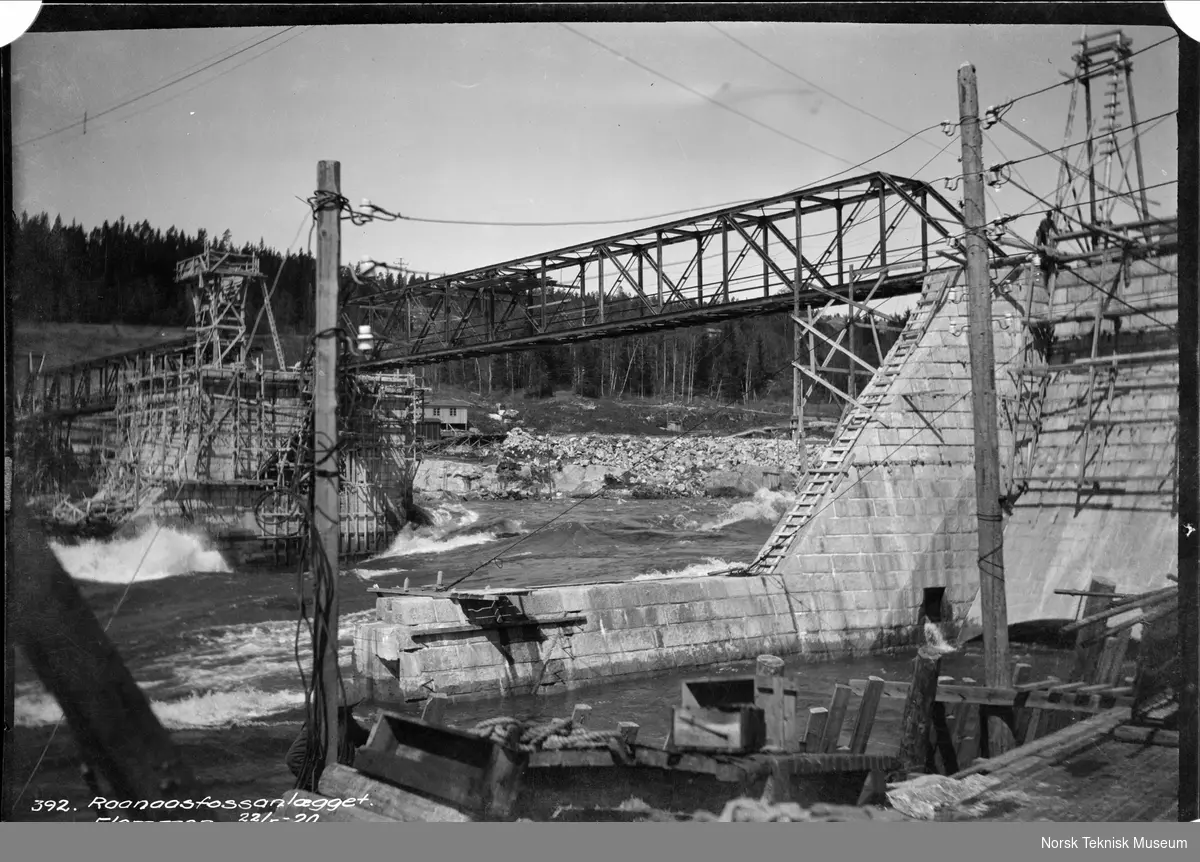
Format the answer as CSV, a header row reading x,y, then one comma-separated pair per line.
x,y
526,466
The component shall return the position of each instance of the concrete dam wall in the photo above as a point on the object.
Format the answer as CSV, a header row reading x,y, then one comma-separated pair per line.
x,y
884,537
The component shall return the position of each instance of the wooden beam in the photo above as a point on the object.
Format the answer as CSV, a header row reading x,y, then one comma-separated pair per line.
x,y
1101,598
1151,598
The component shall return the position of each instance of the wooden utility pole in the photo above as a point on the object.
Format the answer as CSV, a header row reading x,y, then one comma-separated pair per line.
x,y
1189,444
993,600
797,379
7,797
325,441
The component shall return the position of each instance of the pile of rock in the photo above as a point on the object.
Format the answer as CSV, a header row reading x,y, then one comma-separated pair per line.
x,y
651,466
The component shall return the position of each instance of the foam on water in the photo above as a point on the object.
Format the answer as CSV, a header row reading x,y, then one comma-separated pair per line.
x,y
154,553
765,505
452,529
207,709
695,570
228,676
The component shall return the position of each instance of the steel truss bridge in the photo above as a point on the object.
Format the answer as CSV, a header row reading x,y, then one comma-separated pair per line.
x,y
844,243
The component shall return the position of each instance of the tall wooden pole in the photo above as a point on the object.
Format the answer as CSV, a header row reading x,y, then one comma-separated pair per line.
x,y
325,440
797,380
10,394
1189,439
983,392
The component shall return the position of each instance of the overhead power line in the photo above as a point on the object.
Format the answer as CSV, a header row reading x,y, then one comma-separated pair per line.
x,y
707,98
126,103
815,85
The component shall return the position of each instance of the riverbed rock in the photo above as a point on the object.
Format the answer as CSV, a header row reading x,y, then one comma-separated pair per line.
x,y
579,465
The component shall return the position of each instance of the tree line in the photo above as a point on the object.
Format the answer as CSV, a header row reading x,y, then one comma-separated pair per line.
x,y
124,272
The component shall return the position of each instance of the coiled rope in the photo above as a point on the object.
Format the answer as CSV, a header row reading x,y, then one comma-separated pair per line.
x,y
552,735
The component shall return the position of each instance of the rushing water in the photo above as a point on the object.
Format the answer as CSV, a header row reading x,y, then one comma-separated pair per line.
x,y
212,647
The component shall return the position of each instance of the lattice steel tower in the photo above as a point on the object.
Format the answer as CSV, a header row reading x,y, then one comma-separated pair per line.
x,y
1109,144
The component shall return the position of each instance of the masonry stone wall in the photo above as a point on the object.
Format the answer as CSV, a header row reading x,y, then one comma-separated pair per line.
x,y
1122,527
904,518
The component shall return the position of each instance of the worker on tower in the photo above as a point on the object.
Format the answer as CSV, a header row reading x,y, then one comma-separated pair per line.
x,y
1046,241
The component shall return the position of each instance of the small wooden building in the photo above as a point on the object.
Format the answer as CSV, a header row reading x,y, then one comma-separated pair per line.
x,y
451,412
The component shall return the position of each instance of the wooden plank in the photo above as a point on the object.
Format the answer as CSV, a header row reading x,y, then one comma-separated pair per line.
x,y
864,721
815,732
1053,745
393,803
502,779
1151,598
409,768
942,741
835,762
1112,668
891,689
837,717
776,696
966,734
439,629
1147,736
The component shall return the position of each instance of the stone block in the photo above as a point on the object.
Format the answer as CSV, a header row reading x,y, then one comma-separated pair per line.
x,y
447,611
542,603
588,644
574,598
416,610
635,640
440,657
473,654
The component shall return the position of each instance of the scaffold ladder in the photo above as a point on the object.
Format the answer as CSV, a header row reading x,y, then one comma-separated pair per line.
x,y
835,458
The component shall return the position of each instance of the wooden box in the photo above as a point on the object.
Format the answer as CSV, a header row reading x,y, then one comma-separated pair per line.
x,y
730,729
468,772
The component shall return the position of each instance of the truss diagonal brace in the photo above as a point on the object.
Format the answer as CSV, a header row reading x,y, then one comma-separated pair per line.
x,y
816,378
812,330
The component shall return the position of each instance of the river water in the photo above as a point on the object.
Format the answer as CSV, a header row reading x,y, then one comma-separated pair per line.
x,y
214,648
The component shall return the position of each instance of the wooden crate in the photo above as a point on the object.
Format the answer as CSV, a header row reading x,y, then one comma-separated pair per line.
x,y
730,729
468,772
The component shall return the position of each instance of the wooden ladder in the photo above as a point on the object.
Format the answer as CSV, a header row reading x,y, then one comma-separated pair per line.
x,y
835,459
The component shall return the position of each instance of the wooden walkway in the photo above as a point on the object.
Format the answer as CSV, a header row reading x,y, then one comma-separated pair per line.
x,y
1079,774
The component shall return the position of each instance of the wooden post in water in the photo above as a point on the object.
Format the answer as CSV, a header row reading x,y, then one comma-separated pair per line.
x,y
918,711
1189,446
993,600
1086,657
325,441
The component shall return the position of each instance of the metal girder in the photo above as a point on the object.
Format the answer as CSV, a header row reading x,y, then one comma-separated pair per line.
x,y
579,292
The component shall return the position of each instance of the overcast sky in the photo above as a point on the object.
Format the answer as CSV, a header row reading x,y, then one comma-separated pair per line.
x,y
519,123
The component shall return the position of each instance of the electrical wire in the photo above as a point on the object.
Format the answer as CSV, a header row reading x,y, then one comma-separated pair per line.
x,y
814,85
707,98
1098,68
172,97
158,89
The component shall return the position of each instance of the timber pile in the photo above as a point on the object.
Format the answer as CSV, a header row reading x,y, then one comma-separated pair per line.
x,y
1103,639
